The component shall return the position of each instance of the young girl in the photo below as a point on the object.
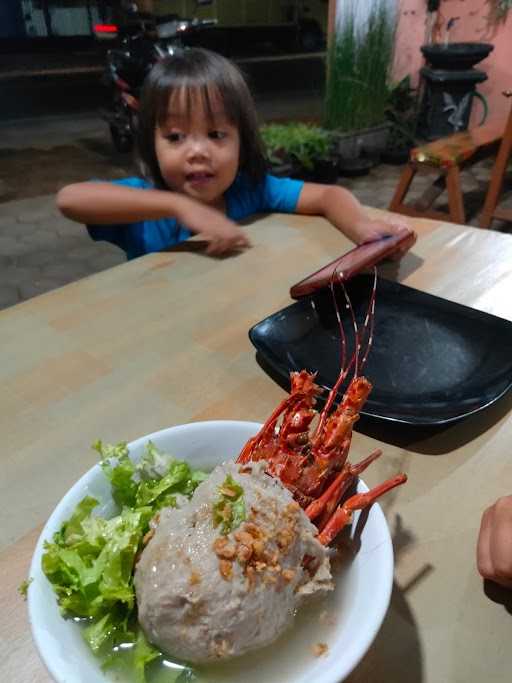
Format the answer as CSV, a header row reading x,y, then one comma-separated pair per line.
x,y
203,169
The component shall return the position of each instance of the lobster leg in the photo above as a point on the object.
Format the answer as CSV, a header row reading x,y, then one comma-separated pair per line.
x,y
343,514
293,432
333,433
355,471
332,496
366,462
268,427
330,450
333,492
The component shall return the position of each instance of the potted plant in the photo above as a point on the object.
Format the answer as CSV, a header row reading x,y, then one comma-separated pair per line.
x,y
402,115
300,150
360,59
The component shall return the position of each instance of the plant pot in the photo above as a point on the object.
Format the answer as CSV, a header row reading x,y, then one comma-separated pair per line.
x,y
372,141
300,173
456,56
326,171
396,155
355,167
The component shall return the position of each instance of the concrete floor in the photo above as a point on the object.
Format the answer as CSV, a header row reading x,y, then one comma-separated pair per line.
x,y
40,250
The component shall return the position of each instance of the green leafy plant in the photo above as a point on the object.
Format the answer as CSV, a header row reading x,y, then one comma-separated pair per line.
x,y
498,11
360,59
402,114
298,143
502,6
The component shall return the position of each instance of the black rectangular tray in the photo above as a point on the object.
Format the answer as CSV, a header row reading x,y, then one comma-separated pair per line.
x,y
432,361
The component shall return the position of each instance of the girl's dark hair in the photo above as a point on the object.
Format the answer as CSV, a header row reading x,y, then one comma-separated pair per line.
x,y
194,70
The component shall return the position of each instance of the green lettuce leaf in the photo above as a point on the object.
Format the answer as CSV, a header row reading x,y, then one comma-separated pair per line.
x,y
90,561
143,654
24,586
118,467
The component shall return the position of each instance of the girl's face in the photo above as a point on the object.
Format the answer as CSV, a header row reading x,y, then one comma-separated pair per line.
x,y
197,156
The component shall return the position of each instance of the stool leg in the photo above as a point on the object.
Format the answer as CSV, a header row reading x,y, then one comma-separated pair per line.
x,y
455,202
402,188
430,195
498,172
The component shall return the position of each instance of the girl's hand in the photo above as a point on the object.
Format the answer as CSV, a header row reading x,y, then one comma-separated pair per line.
x,y
368,230
211,225
494,547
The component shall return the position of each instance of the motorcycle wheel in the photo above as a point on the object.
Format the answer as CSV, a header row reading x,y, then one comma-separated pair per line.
x,y
122,142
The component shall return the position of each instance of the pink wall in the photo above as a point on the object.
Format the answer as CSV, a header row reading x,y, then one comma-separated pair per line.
x,y
411,34
473,25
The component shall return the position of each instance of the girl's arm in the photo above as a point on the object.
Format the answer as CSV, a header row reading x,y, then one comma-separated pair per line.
x,y
343,210
96,203
107,204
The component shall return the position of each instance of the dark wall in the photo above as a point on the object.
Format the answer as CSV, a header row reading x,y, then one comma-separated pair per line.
x,y
11,19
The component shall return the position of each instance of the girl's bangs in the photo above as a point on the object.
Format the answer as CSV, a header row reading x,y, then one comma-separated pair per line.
x,y
187,98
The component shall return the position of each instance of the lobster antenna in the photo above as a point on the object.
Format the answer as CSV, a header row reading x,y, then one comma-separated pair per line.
x,y
368,324
343,354
369,320
343,338
357,342
360,335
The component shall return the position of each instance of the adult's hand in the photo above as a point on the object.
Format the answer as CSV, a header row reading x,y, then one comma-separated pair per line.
x,y
494,546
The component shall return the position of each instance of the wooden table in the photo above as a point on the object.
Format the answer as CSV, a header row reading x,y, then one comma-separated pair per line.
x,y
163,340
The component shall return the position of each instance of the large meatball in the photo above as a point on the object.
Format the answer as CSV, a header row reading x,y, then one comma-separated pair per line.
x,y
207,590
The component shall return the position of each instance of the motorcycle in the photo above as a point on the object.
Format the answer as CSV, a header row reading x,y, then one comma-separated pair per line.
x,y
141,41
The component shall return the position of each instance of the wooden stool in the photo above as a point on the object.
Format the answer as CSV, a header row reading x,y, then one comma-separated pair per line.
x,y
489,212
446,157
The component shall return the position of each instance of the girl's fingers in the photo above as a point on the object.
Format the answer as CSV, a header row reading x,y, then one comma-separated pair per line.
x,y
243,241
402,227
393,227
220,246
215,246
483,547
216,249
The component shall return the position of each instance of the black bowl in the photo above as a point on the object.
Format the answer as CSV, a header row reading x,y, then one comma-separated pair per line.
x,y
456,56
432,362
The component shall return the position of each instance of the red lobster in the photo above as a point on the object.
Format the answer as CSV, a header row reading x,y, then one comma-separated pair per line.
x,y
314,466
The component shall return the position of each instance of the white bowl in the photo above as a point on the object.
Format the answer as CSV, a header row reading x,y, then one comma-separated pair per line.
x,y
355,610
